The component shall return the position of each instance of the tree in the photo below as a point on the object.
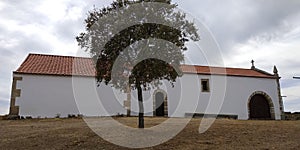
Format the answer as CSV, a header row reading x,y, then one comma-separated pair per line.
x,y
148,48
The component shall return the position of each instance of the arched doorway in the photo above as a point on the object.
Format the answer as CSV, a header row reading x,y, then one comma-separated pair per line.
x,y
160,104
260,106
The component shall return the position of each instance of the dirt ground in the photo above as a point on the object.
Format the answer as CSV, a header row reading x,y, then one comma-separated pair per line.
x,y
223,134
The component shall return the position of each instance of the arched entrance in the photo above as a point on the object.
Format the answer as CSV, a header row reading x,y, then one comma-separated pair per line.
x,y
260,106
160,104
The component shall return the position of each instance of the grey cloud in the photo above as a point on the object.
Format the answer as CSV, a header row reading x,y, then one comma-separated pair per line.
x,y
234,21
4,104
286,83
3,101
22,11
67,30
291,105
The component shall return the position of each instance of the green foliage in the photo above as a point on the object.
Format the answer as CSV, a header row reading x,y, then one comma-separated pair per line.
x,y
118,54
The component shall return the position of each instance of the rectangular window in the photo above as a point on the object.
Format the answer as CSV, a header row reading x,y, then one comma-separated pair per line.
x,y
205,85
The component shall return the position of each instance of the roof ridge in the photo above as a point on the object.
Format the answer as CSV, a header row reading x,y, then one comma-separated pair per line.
x,y
262,71
216,67
53,55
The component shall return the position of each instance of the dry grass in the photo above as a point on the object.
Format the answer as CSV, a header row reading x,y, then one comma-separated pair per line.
x,y
224,134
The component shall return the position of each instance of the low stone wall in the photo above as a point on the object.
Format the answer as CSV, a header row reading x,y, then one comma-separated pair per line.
x,y
201,115
292,116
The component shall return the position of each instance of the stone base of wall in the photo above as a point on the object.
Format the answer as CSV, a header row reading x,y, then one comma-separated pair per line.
x,y
14,110
10,117
201,115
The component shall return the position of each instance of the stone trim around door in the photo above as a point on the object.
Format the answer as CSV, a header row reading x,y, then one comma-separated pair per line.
x,y
165,102
14,110
268,98
127,102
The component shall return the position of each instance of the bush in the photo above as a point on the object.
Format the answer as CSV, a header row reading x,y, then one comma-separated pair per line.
x,y
79,115
57,116
28,117
71,116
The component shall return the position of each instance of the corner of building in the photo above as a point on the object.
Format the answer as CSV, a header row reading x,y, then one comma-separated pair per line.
x,y
14,109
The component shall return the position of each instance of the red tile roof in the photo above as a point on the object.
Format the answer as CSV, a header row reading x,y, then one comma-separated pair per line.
x,y
56,65
208,70
41,64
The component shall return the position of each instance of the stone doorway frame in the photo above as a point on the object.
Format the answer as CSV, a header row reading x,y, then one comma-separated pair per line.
x,y
165,102
269,100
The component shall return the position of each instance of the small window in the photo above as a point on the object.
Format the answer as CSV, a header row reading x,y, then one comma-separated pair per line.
x,y
205,85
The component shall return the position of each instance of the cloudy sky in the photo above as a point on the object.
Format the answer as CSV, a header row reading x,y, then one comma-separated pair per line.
x,y
267,31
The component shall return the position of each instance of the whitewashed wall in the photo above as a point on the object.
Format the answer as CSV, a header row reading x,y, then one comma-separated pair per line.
x,y
228,95
46,96
239,90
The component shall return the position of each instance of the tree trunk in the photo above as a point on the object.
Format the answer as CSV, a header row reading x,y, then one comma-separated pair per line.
x,y
141,106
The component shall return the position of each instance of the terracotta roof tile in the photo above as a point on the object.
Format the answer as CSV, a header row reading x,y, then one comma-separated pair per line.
x,y
63,65
208,70
56,65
